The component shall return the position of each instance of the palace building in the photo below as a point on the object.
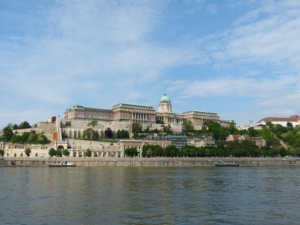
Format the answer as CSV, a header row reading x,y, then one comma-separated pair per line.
x,y
142,114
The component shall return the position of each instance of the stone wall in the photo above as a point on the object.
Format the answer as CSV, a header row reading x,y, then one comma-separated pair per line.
x,y
22,161
78,126
47,128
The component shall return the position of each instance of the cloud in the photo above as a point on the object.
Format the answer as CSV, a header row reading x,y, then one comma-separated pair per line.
x,y
211,8
277,91
265,35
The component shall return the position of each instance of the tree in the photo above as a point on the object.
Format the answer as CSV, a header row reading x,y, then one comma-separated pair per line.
x,y
252,132
16,139
27,151
188,125
58,153
2,152
108,133
122,134
52,152
24,125
93,123
7,133
289,125
32,137
171,151
88,153
131,152
66,152
269,124
136,127
41,138
90,134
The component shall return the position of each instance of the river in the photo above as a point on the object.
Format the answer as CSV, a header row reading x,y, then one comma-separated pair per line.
x,y
150,195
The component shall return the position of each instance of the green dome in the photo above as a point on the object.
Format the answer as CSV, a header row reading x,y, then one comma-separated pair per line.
x,y
165,98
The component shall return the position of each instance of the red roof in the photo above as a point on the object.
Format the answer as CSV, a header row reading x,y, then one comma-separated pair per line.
x,y
293,118
237,137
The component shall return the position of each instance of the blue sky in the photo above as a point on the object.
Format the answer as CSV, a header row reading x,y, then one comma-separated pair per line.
x,y
239,59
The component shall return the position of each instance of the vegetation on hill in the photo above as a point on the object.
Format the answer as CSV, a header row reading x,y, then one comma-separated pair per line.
x,y
26,138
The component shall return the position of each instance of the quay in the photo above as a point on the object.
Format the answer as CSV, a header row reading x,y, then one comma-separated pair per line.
x,y
150,162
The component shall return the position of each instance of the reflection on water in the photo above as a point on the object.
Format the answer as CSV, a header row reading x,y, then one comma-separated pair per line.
x,y
141,195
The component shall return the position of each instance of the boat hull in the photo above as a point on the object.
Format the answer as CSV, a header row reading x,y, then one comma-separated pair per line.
x,y
52,165
227,164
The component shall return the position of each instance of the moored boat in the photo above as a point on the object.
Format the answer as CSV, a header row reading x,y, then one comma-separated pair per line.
x,y
63,164
222,163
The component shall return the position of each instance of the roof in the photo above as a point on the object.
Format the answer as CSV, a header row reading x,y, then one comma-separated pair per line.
x,y
238,137
133,106
88,108
293,118
156,138
200,113
165,98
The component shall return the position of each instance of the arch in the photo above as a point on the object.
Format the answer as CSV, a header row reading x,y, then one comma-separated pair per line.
x,y
60,147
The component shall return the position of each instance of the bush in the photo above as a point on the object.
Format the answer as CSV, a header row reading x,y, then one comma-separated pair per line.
x,y
66,152
27,151
88,153
52,152
58,153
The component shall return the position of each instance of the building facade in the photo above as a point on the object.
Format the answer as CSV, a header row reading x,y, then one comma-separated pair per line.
x,y
142,114
294,120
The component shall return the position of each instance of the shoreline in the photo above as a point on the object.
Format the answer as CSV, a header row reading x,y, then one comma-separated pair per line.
x,y
149,162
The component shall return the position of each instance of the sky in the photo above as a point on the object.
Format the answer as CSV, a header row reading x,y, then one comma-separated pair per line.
x,y
240,59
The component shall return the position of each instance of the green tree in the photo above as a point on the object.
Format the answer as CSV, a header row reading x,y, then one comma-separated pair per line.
x,y
122,134
52,152
24,125
66,152
32,138
131,152
188,125
289,125
2,152
27,151
58,153
90,134
88,153
170,151
41,138
16,139
92,124
136,128
109,133
252,132
7,133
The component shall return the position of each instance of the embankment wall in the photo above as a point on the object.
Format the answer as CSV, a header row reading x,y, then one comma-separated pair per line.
x,y
23,161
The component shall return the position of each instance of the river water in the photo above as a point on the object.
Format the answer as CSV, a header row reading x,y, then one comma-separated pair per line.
x,y
150,195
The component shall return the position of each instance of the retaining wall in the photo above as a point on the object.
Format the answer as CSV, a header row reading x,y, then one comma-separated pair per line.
x,y
23,161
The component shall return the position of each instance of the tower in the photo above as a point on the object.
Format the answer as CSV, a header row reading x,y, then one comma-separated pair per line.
x,y
165,105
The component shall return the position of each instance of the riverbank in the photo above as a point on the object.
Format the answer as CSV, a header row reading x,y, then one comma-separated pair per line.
x,y
23,161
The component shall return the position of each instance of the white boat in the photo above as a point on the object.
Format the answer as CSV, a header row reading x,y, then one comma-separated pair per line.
x,y
222,163
63,164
